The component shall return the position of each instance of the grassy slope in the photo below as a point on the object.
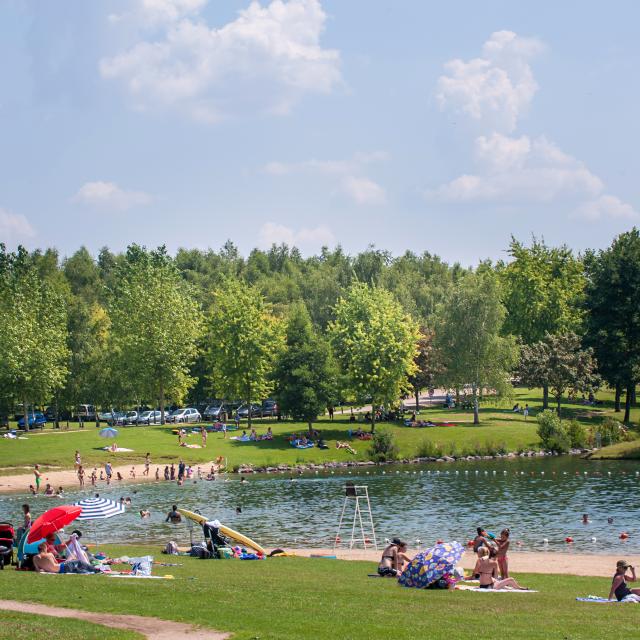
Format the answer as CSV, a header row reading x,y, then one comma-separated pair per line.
x,y
498,426
26,626
293,598
620,451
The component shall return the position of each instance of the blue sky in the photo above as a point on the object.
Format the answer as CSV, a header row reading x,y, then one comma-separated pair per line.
x,y
444,127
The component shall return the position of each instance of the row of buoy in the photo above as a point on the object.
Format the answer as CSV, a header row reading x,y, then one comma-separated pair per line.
x,y
477,472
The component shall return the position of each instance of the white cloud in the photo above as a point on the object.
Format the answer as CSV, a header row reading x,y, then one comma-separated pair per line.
x,y
496,88
606,206
263,62
154,12
346,174
14,228
305,239
108,195
520,170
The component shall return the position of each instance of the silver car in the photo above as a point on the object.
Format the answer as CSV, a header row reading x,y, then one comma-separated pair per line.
x,y
185,415
149,417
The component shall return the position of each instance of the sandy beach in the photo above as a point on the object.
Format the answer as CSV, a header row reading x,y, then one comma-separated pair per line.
x,y
548,563
68,477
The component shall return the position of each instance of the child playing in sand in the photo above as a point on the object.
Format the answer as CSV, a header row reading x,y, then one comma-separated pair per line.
x,y
132,473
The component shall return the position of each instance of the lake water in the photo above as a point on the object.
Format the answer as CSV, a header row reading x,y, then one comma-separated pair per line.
x,y
536,498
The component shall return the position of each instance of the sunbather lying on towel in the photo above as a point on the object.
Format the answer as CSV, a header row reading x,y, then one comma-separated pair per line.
x,y
345,445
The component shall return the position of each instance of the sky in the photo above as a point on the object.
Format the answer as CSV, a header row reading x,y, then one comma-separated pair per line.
x,y
408,125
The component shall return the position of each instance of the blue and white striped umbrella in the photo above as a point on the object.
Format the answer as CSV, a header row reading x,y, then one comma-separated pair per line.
x,y
108,432
99,508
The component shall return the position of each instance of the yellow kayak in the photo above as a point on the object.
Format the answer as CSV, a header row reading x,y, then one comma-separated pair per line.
x,y
226,531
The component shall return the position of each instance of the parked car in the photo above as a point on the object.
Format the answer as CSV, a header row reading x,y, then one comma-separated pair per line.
x,y
270,408
106,416
214,411
50,414
85,412
149,417
184,415
37,420
243,411
126,417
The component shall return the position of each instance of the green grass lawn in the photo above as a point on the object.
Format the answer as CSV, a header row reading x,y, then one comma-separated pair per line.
x,y
26,626
499,427
619,451
293,598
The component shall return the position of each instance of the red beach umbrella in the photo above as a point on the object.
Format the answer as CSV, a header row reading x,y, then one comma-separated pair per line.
x,y
52,521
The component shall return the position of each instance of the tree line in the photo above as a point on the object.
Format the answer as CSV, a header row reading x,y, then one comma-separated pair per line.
x,y
144,327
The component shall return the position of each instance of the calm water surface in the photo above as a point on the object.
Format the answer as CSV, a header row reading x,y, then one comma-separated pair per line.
x,y
536,498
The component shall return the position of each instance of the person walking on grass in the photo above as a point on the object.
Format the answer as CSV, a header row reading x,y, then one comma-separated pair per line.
x,y
204,437
525,413
38,477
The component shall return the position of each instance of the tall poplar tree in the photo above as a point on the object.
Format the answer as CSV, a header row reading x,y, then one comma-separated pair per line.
x,y
304,374
156,324
243,340
469,338
33,332
374,341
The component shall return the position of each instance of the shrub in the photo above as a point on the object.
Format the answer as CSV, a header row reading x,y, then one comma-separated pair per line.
x,y
609,431
383,446
552,432
577,434
429,449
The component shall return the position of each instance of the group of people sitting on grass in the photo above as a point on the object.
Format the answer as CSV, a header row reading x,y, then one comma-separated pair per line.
x,y
66,557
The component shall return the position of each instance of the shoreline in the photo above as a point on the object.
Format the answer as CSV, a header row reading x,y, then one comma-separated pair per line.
x,y
17,482
551,562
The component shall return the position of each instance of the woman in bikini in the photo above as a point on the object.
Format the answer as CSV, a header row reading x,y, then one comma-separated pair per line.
x,y
393,559
487,569
619,587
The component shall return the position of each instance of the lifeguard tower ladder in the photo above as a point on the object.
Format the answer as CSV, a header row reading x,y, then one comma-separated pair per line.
x,y
357,496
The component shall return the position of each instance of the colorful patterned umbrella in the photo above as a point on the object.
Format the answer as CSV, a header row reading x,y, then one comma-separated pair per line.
x,y
431,565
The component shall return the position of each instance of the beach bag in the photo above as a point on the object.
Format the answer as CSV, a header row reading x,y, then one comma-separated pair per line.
x,y
225,553
141,566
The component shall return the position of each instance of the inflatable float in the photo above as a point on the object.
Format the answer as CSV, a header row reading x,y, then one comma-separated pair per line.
x,y
226,531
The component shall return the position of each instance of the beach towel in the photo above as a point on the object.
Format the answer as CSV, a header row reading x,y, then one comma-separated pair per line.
x,y
632,598
468,587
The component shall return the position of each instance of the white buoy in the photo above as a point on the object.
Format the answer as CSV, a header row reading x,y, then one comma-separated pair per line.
x,y
594,539
494,472
418,541
421,471
545,540
397,472
466,471
457,472
542,473
608,473
504,473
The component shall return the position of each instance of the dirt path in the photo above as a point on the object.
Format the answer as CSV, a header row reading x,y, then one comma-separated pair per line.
x,y
148,627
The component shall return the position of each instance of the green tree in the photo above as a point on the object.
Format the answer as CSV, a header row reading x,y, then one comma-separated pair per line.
x,y
427,363
33,331
374,342
304,375
560,363
469,338
155,326
244,339
612,319
543,291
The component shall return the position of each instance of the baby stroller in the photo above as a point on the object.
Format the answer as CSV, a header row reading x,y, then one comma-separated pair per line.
x,y
7,535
